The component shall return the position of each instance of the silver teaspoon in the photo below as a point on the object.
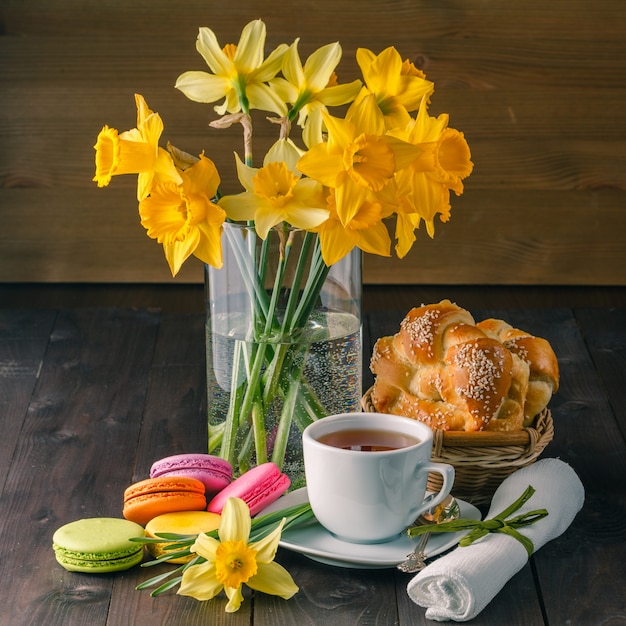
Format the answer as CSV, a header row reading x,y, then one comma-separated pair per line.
x,y
446,511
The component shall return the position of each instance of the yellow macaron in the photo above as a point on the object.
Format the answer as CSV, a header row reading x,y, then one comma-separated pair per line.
x,y
180,523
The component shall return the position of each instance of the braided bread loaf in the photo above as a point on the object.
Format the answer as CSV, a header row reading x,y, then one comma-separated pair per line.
x,y
443,369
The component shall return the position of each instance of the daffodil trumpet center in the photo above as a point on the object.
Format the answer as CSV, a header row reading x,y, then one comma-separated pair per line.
x,y
116,155
275,183
369,161
168,214
235,563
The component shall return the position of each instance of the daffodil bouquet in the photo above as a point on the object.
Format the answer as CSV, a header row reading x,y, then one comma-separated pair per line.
x,y
343,184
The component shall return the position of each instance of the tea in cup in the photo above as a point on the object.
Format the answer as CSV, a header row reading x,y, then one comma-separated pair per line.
x,y
366,474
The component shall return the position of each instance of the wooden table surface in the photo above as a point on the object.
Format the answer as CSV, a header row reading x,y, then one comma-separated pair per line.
x,y
89,397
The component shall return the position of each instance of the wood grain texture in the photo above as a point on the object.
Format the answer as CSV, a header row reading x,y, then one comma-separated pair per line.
x,y
109,390
590,556
81,409
537,89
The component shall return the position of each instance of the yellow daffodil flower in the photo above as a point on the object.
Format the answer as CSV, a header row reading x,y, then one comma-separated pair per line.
x,y
443,164
399,87
312,88
277,193
356,154
134,151
232,562
183,218
365,230
239,73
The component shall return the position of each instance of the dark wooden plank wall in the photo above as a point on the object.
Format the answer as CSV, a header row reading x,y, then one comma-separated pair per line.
x,y
538,88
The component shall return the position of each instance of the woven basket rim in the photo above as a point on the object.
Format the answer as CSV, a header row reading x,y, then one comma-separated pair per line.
x,y
535,439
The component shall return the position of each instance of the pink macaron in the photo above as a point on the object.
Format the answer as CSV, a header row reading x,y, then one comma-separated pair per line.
x,y
258,488
214,472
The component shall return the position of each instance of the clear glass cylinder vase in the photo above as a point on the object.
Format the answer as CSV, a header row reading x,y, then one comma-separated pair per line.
x,y
283,345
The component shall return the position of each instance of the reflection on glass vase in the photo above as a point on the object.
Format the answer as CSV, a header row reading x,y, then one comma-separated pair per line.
x,y
283,345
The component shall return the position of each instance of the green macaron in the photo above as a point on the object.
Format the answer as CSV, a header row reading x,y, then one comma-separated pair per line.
x,y
98,545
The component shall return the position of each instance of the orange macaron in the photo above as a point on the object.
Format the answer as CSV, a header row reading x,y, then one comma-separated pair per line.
x,y
148,498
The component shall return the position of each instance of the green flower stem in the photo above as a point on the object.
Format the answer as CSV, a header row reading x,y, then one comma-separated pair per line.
x,y
250,397
272,355
227,450
246,262
317,276
288,410
260,435
297,281
309,408
274,369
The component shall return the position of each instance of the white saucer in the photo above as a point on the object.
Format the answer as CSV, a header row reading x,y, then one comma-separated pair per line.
x,y
315,542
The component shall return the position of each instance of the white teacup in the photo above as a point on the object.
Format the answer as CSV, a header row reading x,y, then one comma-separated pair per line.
x,y
364,496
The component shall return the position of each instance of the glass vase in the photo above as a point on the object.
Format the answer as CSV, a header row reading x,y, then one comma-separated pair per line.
x,y
283,345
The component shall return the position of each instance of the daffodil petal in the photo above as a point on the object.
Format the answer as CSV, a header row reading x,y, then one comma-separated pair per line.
x,y
312,131
340,94
144,184
249,54
405,233
267,546
340,132
273,579
164,167
375,240
245,174
292,66
199,582
412,89
143,110
286,151
309,193
205,546
364,58
383,73
235,522
177,252
211,51
209,248
202,86
336,242
349,197
320,66
266,217
203,177
264,98
319,164
235,598
366,116
240,207
404,152
151,128
271,66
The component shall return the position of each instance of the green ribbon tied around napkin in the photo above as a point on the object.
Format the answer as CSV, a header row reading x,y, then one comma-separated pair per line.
x,y
497,524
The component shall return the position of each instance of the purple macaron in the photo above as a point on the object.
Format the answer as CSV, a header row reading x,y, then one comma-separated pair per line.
x,y
214,472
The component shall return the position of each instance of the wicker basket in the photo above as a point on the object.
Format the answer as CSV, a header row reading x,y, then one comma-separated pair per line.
x,y
483,460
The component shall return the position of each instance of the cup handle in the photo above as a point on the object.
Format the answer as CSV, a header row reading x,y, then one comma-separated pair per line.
x,y
447,473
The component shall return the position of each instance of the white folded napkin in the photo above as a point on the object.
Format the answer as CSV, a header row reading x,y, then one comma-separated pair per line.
x,y
460,584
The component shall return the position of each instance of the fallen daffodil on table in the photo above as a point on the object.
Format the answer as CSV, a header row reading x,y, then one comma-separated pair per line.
x,y
240,552
232,562
329,184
